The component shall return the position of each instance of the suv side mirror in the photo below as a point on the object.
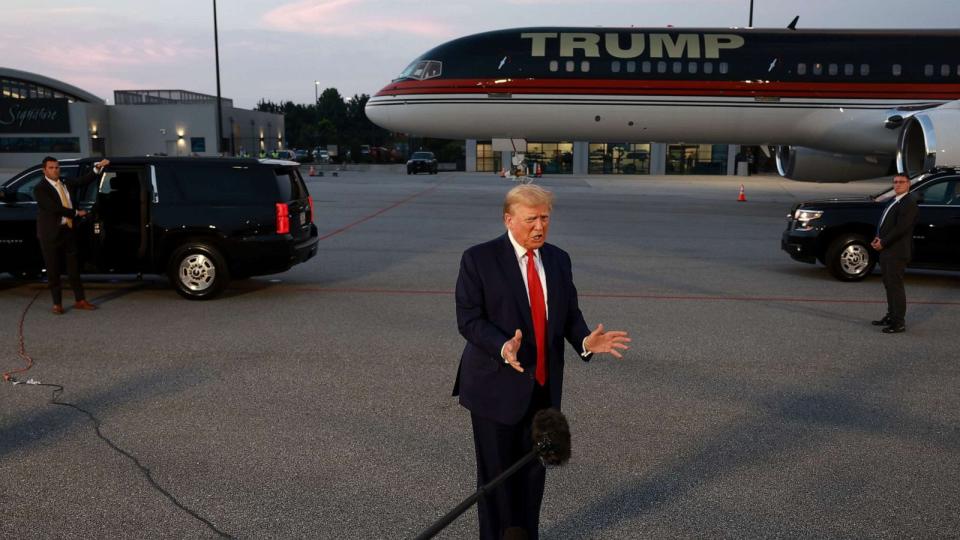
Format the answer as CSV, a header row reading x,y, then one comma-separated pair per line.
x,y
4,194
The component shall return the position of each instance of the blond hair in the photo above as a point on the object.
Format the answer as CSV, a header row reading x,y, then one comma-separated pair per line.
x,y
528,195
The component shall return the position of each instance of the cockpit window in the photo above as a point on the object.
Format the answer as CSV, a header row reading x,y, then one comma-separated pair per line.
x,y
421,70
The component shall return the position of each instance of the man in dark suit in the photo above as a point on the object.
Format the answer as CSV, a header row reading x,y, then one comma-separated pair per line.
x,y
894,242
516,304
56,215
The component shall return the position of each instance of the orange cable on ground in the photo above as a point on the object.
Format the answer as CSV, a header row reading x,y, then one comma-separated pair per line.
x,y
8,376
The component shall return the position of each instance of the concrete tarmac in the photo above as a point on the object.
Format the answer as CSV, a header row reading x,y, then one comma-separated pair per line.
x,y
757,400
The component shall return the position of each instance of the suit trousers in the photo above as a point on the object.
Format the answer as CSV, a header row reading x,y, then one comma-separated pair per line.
x,y
513,508
893,270
56,251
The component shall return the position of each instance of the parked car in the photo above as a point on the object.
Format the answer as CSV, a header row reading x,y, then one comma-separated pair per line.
x,y
285,154
838,232
200,221
302,156
422,162
321,155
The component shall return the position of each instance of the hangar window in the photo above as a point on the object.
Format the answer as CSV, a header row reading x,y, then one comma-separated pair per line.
x,y
692,67
554,66
646,67
848,69
818,69
615,66
928,70
897,70
661,67
801,69
570,66
631,66
944,70
724,67
864,69
708,67
833,69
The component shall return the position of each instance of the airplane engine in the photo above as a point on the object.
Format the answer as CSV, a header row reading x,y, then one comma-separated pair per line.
x,y
930,139
810,165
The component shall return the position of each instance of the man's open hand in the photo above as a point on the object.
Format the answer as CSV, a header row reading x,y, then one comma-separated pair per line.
x,y
510,349
607,342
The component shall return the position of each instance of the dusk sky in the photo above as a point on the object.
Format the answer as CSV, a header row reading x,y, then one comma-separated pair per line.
x,y
276,50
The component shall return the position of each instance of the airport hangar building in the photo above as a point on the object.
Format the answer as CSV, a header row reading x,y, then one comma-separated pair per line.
x,y
40,116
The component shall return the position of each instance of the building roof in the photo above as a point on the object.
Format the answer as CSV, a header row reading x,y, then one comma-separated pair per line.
x,y
42,82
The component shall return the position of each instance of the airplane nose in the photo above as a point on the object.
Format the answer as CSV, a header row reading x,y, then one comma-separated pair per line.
x,y
377,110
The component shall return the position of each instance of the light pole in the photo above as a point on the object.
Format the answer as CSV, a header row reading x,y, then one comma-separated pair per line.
x,y
216,53
316,92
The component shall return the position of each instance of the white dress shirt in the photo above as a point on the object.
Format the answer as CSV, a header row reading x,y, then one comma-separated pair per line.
x,y
53,183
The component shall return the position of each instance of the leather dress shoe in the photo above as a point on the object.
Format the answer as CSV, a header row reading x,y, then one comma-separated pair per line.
x,y
84,305
57,309
894,329
885,321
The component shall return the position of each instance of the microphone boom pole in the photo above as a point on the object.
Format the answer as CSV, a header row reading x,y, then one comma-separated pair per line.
x,y
551,436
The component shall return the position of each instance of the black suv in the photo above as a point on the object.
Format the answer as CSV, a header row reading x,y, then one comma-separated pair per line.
x,y
201,221
838,232
422,162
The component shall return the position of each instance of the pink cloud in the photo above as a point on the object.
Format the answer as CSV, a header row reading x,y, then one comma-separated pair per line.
x,y
347,18
111,53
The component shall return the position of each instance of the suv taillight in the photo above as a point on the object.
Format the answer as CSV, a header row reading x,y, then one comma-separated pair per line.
x,y
283,218
310,200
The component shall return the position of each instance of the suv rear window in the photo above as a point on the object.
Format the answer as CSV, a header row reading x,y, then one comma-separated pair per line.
x,y
290,184
219,185
423,155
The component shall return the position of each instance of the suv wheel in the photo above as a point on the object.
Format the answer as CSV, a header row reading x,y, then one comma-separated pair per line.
x,y
849,258
198,271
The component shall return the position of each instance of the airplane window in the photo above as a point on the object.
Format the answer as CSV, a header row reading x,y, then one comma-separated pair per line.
x,y
833,69
418,70
570,66
631,66
615,66
692,67
433,69
848,69
661,67
958,69
864,69
678,67
585,66
818,69
645,67
724,67
897,70
554,66
801,69
708,67
928,70
944,70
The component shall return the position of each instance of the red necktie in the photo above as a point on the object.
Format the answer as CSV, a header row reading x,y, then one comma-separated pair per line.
x,y
538,310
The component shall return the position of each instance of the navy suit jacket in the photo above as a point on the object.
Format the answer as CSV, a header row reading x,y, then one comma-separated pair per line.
x,y
491,305
50,209
896,231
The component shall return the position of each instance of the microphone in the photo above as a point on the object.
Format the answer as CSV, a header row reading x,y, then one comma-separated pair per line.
x,y
551,443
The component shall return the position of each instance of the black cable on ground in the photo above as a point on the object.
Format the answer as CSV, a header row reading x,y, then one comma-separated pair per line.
x,y
58,389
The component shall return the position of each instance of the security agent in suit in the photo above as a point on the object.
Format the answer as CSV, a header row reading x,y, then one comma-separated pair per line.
x,y
894,242
56,215
516,304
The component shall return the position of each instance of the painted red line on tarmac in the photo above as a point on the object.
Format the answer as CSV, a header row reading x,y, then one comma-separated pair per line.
x,y
790,299
378,212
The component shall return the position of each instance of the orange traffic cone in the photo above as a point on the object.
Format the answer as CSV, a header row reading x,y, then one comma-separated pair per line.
x,y
742,197
313,171
539,171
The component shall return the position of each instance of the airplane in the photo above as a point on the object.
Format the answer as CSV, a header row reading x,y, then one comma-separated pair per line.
x,y
837,104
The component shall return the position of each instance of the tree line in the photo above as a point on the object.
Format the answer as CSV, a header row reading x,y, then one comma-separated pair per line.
x,y
343,122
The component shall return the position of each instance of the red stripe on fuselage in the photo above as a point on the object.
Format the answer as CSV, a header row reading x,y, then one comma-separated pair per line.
x,y
615,87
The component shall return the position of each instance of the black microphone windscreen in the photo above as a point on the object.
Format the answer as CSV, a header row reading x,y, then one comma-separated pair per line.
x,y
551,437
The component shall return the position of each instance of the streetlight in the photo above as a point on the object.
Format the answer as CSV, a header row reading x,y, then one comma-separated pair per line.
x,y
216,54
316,92
751,14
